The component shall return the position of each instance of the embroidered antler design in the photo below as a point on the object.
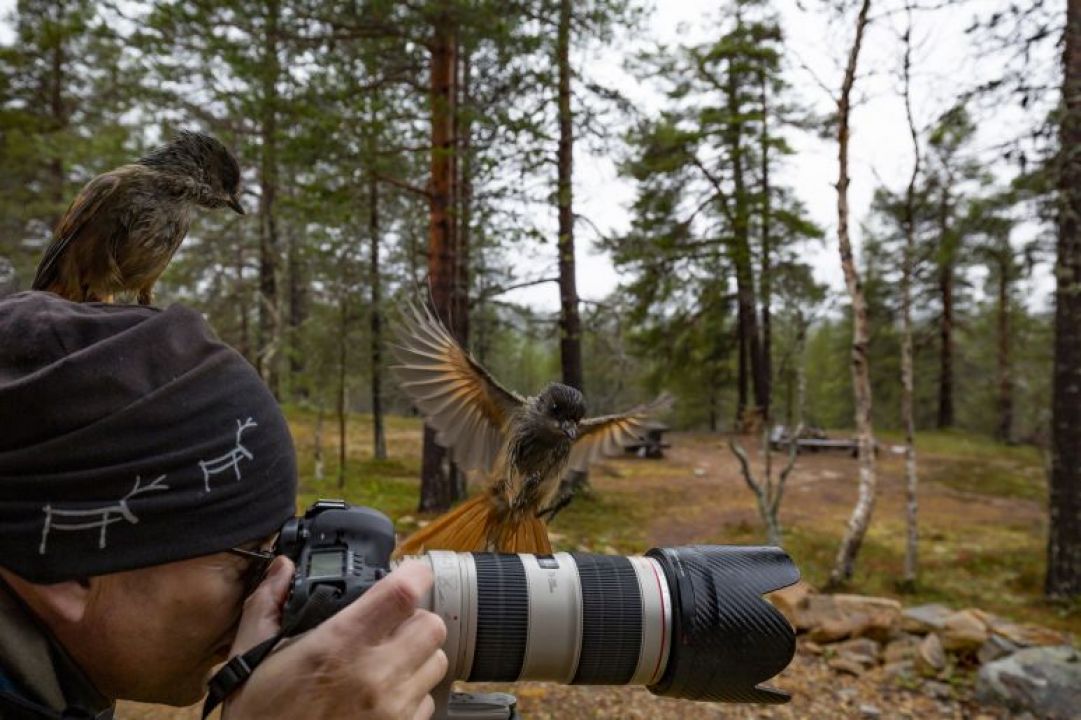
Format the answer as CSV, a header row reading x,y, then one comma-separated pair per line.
x,y
72,520
230,459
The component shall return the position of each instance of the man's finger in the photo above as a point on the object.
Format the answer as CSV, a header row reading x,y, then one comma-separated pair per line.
x,y
416,639
426,708
389,603
432,672
262,611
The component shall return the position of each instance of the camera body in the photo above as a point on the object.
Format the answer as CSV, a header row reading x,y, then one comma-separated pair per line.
x,y
337,548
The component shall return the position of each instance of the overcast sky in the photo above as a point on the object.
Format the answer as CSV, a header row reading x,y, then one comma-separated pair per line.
x,y
945,65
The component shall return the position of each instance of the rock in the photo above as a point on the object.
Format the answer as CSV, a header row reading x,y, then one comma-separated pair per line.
x,y
963,632
930,657
814,610
1029,635
899,669
847,695
792,601
937,690
832,629
924,619
1045,681
868,710
847,664
863,648
903,648
809,647
881,617
994,648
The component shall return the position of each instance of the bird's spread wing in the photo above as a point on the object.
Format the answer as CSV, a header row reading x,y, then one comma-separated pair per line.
x,y
465,405
608,434
84,207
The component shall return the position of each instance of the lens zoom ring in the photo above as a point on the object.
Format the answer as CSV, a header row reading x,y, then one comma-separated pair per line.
x,y
502,618
611,620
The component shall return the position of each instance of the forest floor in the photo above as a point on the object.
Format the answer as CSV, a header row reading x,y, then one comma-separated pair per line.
x,y
982,544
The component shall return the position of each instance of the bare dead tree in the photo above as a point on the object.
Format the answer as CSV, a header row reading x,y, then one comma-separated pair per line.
x,y
911,478
767,491
861,376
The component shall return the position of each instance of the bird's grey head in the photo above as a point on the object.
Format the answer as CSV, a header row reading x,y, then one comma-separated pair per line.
x,y
206,161
560,408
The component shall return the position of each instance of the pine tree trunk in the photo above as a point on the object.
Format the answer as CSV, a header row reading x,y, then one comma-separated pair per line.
x,y
59,118
242,308
297,314
379,439
343,354
861,379
945,376
269,326
436,483
570,336
1064,536
741,245
317,449
766,280
1004,430
911,568
741,368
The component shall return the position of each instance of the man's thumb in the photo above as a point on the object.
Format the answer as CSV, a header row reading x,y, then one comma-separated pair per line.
x,y
261,618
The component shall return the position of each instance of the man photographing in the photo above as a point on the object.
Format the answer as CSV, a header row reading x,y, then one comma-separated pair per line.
x,y
144,469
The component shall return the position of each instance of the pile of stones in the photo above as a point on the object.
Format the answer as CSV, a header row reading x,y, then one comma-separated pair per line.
x,y
1026,668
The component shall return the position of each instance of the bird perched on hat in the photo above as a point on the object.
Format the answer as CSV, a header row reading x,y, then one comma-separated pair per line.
x,y
521,446
124,225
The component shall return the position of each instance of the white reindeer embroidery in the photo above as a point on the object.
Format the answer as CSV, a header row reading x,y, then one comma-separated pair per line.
x,y
230,459
71,520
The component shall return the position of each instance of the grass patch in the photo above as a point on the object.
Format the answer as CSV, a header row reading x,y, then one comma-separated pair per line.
x,y
988,476
976,464
610,523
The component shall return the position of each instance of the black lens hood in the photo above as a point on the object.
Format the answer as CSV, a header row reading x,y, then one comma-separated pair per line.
x,y
726,639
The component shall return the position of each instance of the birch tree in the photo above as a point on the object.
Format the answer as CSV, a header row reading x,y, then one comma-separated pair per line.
x,y
861,377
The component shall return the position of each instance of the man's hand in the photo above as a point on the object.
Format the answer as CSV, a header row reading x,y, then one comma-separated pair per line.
x,y
380,657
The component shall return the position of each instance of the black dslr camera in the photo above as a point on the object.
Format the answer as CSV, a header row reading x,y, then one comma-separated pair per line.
x,y
686,622
339,552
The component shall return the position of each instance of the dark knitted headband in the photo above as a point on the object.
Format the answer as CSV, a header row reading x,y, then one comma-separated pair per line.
x,y
130,436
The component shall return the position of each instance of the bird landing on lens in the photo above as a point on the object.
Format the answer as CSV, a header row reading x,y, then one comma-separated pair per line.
x,y
520,446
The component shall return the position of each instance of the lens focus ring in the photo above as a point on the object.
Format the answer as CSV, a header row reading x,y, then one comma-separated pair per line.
x,y
502,618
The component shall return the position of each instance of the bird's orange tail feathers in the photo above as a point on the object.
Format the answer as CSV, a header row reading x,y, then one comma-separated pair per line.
x,y
474,526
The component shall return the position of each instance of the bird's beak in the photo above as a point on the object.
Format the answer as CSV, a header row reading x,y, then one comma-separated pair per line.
x,y
569,428
234,205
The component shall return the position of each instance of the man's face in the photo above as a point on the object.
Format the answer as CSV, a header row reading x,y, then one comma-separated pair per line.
x,y
154,634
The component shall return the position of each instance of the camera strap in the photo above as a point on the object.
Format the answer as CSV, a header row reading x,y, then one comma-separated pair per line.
x,y
235,673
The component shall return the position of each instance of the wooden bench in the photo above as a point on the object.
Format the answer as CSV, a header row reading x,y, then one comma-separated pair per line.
x,y
779,441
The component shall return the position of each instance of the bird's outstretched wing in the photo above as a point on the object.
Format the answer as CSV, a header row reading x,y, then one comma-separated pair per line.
x,y
608,434
83,208
465,405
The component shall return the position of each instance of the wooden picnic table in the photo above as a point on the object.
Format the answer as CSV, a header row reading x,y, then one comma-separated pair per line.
x,y
652,445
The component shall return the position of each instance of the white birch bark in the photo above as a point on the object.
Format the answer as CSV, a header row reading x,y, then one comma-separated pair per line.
x,y
911,569
861,381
